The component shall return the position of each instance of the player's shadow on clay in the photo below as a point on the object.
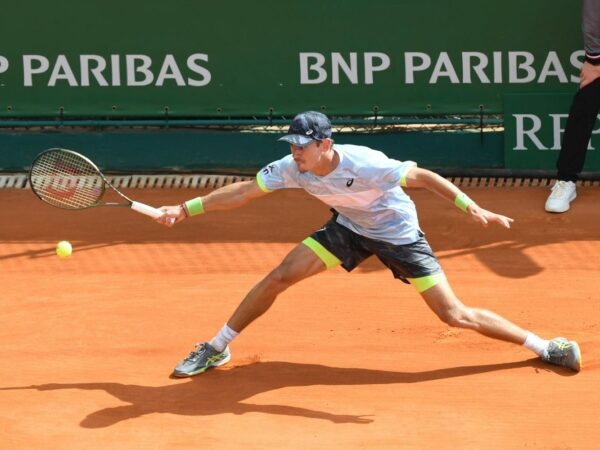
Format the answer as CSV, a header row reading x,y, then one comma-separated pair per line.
x,y
225,391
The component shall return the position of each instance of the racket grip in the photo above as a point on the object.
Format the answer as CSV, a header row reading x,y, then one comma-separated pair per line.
x,y
146,209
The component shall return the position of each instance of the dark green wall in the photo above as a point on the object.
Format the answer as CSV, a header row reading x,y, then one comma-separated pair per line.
x,y
228,151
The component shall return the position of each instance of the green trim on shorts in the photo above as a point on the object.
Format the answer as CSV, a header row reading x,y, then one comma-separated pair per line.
x,y
261,184
421,284
324,255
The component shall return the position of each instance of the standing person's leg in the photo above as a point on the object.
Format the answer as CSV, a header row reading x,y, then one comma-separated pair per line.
x,y
444,303
300,263
578,130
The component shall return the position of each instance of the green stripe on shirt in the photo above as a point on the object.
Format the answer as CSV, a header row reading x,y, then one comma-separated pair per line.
x,y
261,183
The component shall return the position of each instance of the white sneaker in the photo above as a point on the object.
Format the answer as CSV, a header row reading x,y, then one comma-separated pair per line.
x,y
563,193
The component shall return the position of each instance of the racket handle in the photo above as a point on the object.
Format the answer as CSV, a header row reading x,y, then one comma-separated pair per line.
x,y
146,209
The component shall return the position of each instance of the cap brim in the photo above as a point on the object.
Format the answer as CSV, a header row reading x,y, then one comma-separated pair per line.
x,y
296,139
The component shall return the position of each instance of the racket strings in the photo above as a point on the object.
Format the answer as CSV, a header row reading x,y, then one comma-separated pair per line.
x,y
66,180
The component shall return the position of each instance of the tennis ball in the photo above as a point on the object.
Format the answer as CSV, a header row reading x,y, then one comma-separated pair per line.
x,y
64,249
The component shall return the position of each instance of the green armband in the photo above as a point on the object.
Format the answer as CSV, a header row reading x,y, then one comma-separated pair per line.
x,y
462,200
194,206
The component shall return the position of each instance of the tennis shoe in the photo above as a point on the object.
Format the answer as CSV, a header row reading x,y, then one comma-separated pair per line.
x,y
563,352
563,193
203,357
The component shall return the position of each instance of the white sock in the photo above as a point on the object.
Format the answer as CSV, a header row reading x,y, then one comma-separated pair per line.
x,y
223,338
536,344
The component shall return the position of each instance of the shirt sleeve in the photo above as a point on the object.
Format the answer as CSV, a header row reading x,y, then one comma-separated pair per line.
x,y
590,23
277,175
387,172
404,168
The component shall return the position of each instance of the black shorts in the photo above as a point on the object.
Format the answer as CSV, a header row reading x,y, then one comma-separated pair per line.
x,y
413,263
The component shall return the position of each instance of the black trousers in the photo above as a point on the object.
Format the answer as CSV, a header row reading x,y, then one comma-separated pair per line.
x,y
580,124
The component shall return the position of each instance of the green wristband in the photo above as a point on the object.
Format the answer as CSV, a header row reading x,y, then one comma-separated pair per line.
x,y
194,206
462,200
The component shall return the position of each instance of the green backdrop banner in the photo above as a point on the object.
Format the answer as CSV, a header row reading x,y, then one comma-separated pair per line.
x,y
238,58
534,126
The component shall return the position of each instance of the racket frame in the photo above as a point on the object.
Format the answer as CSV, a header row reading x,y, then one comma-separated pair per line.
x,y
136,206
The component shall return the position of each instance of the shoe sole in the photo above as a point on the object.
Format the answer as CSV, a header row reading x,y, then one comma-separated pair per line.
x,y
221,362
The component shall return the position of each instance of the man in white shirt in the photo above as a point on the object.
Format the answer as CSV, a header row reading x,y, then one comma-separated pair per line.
x,y
372,215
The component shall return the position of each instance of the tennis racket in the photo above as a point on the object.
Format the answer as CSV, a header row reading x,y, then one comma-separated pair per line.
x,y
68,180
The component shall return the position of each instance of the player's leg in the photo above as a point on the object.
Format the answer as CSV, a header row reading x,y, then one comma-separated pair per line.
x,y
416,263
444,303
328,247
307,259
299,264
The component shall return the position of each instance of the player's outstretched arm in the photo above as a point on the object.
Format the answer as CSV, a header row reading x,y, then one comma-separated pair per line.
x,y
227,197
417,177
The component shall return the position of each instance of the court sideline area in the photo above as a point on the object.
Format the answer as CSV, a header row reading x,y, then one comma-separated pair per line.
x,y
342,361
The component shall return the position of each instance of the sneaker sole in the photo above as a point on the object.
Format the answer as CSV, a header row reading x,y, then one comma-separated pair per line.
x,y
221,362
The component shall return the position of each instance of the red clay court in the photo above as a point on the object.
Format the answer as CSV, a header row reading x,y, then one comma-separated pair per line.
x,y
341,361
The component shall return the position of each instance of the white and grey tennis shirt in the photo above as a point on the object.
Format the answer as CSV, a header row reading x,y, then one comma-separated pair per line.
x,y
365,189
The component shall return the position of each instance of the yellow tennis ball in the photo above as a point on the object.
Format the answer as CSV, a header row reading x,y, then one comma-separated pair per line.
x,y
64,249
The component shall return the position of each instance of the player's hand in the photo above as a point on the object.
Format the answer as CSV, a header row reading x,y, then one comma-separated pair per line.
x,y
484,217
588,74
172,215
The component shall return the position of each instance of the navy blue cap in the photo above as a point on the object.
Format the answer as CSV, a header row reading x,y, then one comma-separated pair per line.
x,y
307,127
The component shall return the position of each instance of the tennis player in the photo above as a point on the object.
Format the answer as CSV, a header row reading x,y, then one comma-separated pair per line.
x,y
372,215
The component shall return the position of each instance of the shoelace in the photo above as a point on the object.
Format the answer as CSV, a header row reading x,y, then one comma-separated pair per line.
x,y
195,354
560,350
563,348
